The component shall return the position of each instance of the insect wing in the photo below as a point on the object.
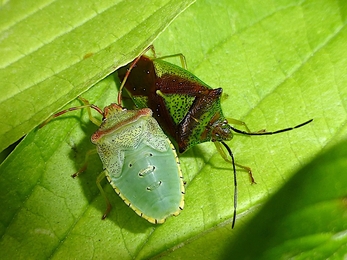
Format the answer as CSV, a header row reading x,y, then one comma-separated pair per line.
x,y
185,107
141,164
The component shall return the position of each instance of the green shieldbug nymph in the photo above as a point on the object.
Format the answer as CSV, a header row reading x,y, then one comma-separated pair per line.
x,y
139,161
187,109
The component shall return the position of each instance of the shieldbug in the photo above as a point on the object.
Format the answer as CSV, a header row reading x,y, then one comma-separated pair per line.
x,y
187,109
139,161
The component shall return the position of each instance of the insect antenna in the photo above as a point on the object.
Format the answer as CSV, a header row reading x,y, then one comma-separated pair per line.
x,y
272,132
86,105
235,181
233,161
128,73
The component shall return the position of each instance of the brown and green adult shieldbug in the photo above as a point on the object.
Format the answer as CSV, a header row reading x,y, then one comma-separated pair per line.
x,y
187,109
139,161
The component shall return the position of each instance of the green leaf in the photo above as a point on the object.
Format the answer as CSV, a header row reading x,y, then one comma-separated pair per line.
x,y
279,63
311,224
52,51
308,225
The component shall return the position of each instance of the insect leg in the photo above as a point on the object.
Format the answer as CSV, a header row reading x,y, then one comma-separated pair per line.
x,y
225,157
91,117
100,177
238,122
84,167
150,47
182,58
119,99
